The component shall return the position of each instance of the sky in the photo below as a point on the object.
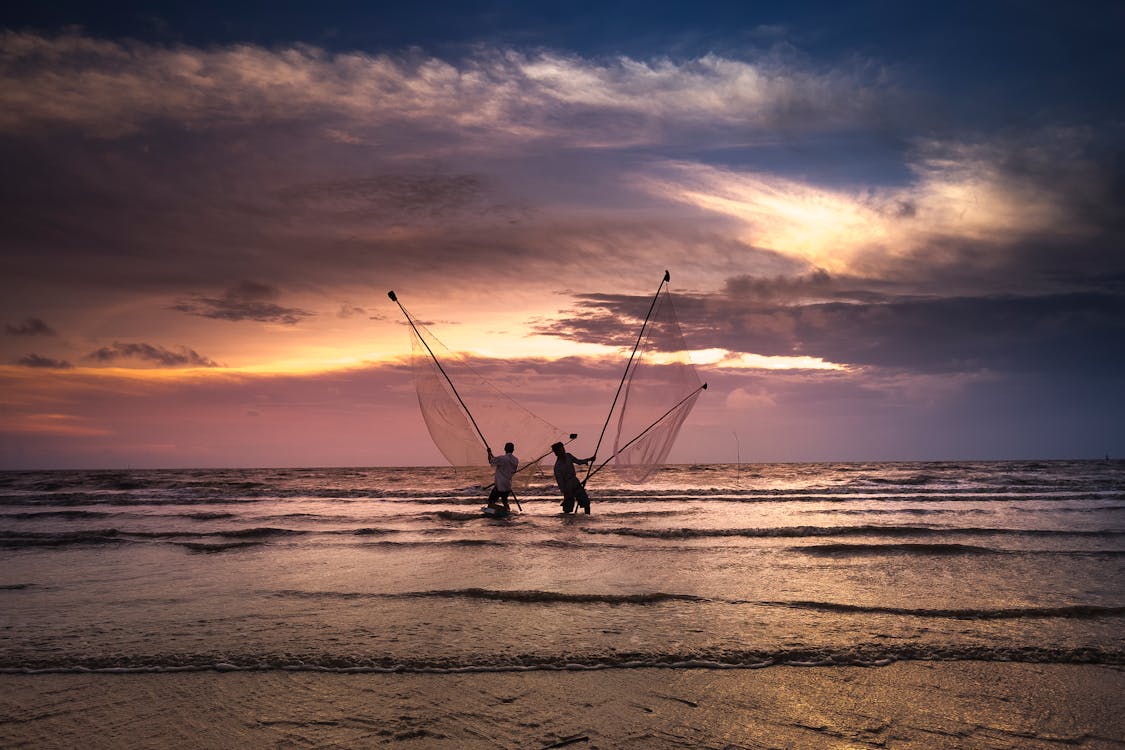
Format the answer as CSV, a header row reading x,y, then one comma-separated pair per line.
x,y
895,231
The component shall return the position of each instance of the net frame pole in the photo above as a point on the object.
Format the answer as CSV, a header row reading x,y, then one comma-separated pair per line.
x,y
441,369
644,432
667,278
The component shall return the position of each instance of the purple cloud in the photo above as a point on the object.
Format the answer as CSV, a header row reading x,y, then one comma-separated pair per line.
x,y
29,327
247,301
184,357
35,360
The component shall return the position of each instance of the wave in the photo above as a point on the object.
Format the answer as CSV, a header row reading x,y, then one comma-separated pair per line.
x,y
910,481
210,493
70,515
518,596
895,549
1076,611
946,511
896,511
830,531
865,655
443,543
305,517
71,499
203,540
16,540
262,532
211,548
453,515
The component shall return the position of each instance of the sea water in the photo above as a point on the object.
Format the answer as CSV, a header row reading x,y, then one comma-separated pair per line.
x,y
716,566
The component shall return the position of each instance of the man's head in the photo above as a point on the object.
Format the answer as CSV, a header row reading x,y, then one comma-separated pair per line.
x,y
509,447
558,448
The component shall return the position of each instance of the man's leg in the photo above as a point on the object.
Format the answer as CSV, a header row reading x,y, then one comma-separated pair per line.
x,y
583,498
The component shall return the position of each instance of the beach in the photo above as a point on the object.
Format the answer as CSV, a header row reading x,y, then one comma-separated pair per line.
x,y
929,605
902,705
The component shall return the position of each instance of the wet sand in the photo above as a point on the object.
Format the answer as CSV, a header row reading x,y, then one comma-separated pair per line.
x,y
903,705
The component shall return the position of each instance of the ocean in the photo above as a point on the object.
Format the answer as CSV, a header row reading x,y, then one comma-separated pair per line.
x,y
704,566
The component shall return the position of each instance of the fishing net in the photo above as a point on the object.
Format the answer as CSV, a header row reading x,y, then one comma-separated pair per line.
x,y
661,388
500,418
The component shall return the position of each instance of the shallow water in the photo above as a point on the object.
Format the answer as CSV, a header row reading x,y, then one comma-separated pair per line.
x,y
715,565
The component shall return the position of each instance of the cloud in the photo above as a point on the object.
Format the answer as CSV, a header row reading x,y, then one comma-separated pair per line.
x,y
1012,203
747,399
113,89
350,311
35,360
807,317
184,357
247,301
302,168
536,177
815,286
29,327
399,197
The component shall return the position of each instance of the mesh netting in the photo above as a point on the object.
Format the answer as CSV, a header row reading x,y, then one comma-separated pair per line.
x,y
500,418
661,389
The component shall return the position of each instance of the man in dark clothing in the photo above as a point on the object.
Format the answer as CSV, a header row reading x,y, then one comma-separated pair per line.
x,y
572,489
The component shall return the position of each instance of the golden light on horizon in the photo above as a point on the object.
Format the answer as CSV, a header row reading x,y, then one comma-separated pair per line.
x,y
727,359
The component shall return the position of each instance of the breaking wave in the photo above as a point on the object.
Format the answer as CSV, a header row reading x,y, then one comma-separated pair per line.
x,y
895,549
830,531
1076,611
522,597
864,655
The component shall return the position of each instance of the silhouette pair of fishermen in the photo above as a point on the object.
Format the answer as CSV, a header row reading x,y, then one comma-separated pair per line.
x,y
573,491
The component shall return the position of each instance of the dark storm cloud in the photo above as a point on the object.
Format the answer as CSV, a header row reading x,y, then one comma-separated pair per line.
x,y
247,301
184,357
29,327
614,319
1079,333
35,360
611,320
817,285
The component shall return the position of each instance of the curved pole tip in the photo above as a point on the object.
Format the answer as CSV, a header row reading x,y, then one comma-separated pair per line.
x,y
391,294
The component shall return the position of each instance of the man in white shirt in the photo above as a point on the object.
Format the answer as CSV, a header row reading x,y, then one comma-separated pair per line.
x,y
506,466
